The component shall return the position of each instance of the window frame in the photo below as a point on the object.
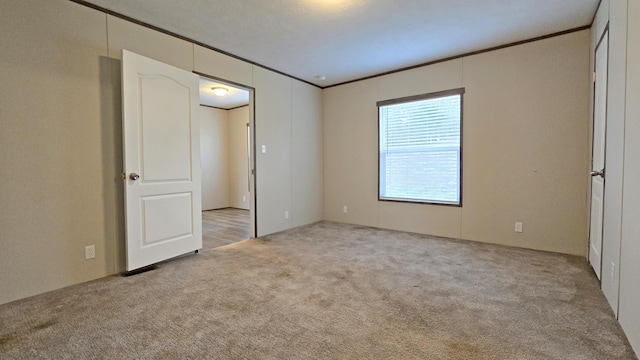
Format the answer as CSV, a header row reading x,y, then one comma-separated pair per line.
x,y
414,98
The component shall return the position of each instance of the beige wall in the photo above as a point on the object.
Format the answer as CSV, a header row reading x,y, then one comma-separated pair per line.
x,y
214,157
224,162
59,148
273,168
238,161
629,244
292,166
629,286
61,155
221,66
525,147
306,154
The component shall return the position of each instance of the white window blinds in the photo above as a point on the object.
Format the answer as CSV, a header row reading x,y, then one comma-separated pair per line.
x,y
420,157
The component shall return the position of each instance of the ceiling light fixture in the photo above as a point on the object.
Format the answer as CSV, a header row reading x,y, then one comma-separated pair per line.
x,y
220,91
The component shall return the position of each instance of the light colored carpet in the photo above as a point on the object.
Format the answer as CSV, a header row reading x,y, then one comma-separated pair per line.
x,y
328,291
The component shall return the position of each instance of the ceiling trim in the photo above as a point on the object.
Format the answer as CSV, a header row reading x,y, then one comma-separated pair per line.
x,y
213,107
499,47
195,42
225,109
238,107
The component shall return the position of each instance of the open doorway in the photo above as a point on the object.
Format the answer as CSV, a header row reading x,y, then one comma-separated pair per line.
x,y
228,196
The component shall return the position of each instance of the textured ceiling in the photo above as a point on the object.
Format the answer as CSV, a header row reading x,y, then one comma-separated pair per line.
x,y
350,39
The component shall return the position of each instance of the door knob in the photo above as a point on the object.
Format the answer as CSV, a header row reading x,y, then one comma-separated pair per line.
x,y
598,173
134,176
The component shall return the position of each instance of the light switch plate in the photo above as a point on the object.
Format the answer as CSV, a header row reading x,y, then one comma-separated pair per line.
x,y
264,149
518,227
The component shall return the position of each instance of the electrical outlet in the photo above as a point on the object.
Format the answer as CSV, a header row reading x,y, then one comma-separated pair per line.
x,y
518,227
244,199
286,214
344,209
89,252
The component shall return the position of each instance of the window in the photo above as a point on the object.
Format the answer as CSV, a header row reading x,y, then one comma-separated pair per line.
x,y
420,148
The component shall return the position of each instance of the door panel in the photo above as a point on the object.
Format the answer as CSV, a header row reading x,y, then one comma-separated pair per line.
x,y
598,158
595,240
165,130
160,225
162,146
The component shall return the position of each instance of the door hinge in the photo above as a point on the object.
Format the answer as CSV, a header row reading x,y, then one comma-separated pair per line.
x,y
594,77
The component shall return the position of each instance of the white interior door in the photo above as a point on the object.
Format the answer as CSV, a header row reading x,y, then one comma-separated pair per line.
x,y
598,163
161,161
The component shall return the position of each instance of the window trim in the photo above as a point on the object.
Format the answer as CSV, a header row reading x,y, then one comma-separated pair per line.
x,y
413,98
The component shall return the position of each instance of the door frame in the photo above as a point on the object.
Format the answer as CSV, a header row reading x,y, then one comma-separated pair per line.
x,y
253,198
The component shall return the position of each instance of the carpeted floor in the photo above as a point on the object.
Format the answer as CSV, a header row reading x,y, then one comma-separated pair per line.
x,y
328,291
